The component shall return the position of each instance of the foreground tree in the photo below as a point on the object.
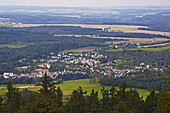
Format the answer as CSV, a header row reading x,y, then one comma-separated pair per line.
x,y
164,101
49,90
42,104
77,102
47,86
59,97
92,101
1,105
151,103
14,99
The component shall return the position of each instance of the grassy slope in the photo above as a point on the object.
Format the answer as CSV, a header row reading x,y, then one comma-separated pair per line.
x,y
12,46
68,86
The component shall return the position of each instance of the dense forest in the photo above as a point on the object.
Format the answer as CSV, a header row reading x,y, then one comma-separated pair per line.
x,y
49,99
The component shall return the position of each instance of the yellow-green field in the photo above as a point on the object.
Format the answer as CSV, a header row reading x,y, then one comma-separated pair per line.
x,y
143,49
21,60
85,49
5,25
68,86
12,46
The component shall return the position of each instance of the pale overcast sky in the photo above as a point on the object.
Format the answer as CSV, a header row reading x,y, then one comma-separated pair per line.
x,y
86,2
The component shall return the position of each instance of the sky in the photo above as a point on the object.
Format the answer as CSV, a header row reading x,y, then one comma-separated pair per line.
x,y
86,3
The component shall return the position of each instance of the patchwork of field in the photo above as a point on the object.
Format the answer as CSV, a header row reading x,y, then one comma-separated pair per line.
x,y
133,40
81,25
68,86
123,28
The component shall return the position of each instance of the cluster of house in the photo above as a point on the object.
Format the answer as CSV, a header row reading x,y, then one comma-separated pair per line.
x,y
41,74
124,45
32,75
77,57
87,60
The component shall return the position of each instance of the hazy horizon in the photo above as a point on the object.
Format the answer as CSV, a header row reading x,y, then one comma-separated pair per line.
x,y
87,3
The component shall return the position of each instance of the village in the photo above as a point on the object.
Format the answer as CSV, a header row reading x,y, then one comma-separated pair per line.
x,y
82,63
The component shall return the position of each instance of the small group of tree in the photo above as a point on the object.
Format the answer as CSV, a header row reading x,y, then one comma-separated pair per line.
x,y
50,100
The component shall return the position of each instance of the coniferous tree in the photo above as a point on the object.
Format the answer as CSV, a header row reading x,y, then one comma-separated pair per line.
x,y
151,103
121,107
76,103
92,102
47,84
42,104
113,100
1,105
163,103
49,90
59,97
134,102
104,107
122,91
14,99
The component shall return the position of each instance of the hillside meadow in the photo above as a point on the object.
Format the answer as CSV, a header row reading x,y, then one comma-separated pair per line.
x,y
143,49
68,86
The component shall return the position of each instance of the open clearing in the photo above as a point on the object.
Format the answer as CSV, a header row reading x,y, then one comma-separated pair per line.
x,y
156,45
68,86
86,49
12,46
6,25
138,39
123,28
143,49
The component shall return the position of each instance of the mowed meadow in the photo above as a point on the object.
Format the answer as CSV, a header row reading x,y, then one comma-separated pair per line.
x,y
143,49
68,86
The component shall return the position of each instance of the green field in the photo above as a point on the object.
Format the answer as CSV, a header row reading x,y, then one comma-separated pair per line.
x,y
5,25
21,60
12,46
115,42
143,49
118,62
68,86
82,49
